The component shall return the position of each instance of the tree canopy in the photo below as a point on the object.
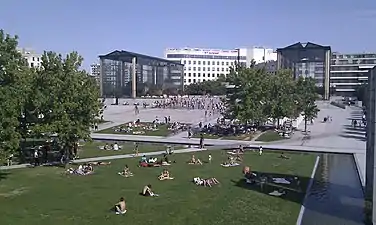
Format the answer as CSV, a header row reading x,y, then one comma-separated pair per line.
x,y
212,87
255,96
59,98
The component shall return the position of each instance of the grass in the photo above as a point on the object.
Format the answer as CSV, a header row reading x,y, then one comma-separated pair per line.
x,y
269,136
91,149
162,130
43,196
232,137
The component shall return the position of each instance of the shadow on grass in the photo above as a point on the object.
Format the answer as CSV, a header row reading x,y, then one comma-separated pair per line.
x,y
4,174
295,191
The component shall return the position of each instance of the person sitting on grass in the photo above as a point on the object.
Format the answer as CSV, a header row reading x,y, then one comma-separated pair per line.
x,y
147,191
107,147
126,172
165,175
121,207
195,161
283,156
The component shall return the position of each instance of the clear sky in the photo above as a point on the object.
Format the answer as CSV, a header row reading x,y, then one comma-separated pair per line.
x,y
94,27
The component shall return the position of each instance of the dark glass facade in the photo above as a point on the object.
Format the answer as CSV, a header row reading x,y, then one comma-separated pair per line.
x,y
128,74
307,60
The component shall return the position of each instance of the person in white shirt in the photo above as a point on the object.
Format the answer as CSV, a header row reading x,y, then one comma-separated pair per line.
x,y
116,146
260,150
210,158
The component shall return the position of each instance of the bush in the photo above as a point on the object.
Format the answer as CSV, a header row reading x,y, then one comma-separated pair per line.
x,y
338,104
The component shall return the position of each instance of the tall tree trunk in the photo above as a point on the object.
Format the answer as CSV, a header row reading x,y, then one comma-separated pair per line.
x,y
305,124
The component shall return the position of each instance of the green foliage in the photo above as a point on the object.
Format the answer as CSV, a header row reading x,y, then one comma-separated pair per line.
x,y
255,96
213,87
58,98
13,83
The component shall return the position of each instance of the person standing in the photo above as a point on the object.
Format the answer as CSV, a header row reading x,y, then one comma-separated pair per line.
x,y
10,160
201,141
36,157
260,150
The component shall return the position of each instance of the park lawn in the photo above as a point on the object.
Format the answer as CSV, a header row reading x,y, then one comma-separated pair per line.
x,y
162,130
245,137
91,149
44,196
269,136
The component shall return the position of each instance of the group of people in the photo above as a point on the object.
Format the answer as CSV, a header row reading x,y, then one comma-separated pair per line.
x,y
115,146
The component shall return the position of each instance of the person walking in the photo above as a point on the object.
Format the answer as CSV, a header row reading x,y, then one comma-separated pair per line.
x,y
201,141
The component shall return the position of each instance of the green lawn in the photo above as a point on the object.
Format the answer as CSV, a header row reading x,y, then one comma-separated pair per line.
x,y
269,135
162,130
43,196
91,149
246,137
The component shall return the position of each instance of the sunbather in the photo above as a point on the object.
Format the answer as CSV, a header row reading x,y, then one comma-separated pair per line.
x,y
121,207
195,161
126,172
165,175
100,163
205,182
230,162
283,156
147,191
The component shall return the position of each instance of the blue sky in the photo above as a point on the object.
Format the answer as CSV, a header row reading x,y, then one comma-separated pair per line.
x,y
94,27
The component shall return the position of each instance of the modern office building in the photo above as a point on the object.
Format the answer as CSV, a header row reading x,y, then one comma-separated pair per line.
x,y
269,66
308,60
349,71
208,64
124,73
33,59
95,71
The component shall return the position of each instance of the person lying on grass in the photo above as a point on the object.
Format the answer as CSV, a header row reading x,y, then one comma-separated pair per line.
x,y
100,163
231,161
147,191
283,156
209,182
126,172
121,207
85,169
195,161
165,175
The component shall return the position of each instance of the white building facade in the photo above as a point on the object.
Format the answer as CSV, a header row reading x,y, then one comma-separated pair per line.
x,y
208,64
33,59
349,71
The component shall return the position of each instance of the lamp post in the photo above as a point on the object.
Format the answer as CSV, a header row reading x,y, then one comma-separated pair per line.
x,y
238,59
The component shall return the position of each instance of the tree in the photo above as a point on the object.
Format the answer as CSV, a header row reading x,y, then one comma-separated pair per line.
x,y
305,97
14,74
246,101
65,100
281,95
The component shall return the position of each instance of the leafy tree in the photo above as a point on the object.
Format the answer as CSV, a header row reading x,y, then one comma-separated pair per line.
x,y
305,96
14,74
213,87
65,100
281,95
246,101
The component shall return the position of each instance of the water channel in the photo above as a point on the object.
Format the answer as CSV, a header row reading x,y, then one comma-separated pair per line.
x,y
336,196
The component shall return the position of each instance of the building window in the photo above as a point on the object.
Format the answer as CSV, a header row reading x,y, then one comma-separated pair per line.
x,y
189,80
203,80
189,74
185,62
203,68
189,62
203,75
223,69
185,81
203,62
194,74
217,63
213,63
223,63
213,69
194,62
217,69
194,80
199,75
198,68
199,62
33,59
226,63
31,64
194,68
213,75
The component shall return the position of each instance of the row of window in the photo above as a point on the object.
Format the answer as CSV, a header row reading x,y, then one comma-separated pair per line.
x,y
188,81
203,75
182,56
213,63
353,61
207,69
358,56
